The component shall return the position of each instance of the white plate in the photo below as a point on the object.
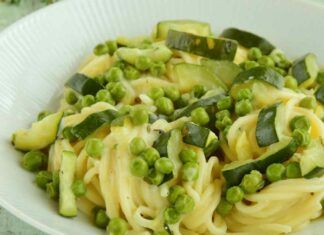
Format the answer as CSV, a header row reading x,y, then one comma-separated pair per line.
x,y
40,52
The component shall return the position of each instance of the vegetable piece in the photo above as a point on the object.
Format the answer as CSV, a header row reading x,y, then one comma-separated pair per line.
x,y
161,143
143,63
164,106
150,155
244,94
51,191
175,192
266,61
184,204
139,115
139,167
83,84
254,53
154,177
252,182
171,216
156,92
188,155
225,70
198,90
264,74
67,134
319,94
172,93
40,135
302,137
117,90
190,171
248,39
224,207
87,101
190,26
305,69
101,219
275,172
79,188
94,147
293,170
43,178
104,96
131,73
312,161
117,226
164,165
190,75
158,53
200,116
70,97
114,74
67,203
43,114
157,69
209,47
234,194
266,132
93,122
137,145
195,135
34,161
308,103
299,122
291,82
243,107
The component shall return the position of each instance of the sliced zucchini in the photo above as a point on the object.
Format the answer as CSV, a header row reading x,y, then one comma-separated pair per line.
x,y
161,143
83,84
316,172
266,133
277,153
209,47
312,158
40,135
211,145
319,94
189,75
190,26
265,74
93,122
305,70
196,135
248,39
135,42
67,201
225,70
156,53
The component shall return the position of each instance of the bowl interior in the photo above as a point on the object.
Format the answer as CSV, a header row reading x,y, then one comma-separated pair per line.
x,y
40,52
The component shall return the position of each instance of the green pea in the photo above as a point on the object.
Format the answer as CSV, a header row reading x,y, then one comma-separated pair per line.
x,y
280,59
43,178
224,103
120,64
223,207
222,114
225,131
34,160
223,123
299,122
188,155
139,167
87,100
70,97
175,192
172,93
250,64
275,172
266,61
104,96
302,137
320,78
100,49
291,82
164,106
182,101
112,46
199,90
52,191
79,188
171,216
308,103
150,155
184,204
156,92
293,170
157,69
117,226
78,105
190,171
254,53
252,182
43,115
143,63
100,79
101,219
137,145
243,107
125,109
244,94
114,74
154,177
117,90
164,165
200,116
94,147
280,71
139,115
68,134
234,194
131,73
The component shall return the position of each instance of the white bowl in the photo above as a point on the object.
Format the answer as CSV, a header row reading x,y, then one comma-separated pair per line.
x,y
40,52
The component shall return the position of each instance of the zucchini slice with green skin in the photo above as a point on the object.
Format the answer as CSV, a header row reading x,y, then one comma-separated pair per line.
x,y
189,75
266,133
209,47
83,84
190,26
93,122
248,39
312,160
158,53
67,201
265,74
305,69
280,152
319,94
161,143
316,172
40,135
225,70
196,135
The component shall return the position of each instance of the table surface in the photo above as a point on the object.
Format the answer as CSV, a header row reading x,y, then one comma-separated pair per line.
x,y
9,224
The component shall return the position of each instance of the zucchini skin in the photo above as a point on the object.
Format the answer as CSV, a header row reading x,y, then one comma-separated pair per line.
x,y
195,135
83,84
161,143
319,94
316,172
265,132
213,48
93,122
248,39
265,74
